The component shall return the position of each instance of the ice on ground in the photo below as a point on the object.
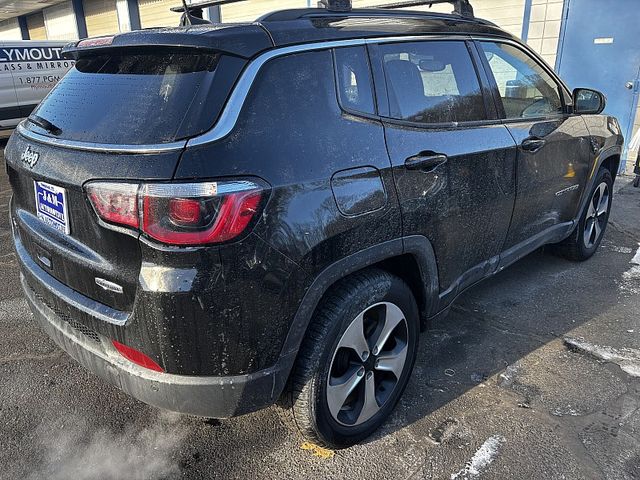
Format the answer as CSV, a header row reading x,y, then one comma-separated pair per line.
x,y
631,278
628,359
483,457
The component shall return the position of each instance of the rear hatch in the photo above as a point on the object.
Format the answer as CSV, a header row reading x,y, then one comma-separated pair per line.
x,y
122,114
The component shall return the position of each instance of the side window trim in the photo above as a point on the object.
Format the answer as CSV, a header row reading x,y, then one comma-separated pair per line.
x,y
379,83
494,84
382,95
343,107
488,94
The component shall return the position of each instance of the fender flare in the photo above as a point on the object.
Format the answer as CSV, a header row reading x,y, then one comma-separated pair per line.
x,y
416,245
600,159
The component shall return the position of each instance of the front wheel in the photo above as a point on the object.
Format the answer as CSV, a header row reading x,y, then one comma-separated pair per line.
x,y
355,361
586,238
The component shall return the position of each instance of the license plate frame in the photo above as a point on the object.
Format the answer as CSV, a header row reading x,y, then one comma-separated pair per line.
x,y
51,206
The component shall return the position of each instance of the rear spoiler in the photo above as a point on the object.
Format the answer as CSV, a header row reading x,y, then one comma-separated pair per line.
x,y
242,40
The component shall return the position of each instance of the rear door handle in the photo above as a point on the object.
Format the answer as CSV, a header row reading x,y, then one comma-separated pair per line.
x,y
533,144
425,162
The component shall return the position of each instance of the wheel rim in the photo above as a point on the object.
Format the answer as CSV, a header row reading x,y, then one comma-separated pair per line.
x,y
367,364
596,215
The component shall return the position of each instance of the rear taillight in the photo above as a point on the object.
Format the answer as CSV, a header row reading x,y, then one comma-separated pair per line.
x,y
179,213
115,203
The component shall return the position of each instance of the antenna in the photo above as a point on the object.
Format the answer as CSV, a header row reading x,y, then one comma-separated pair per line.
x,y
336,5
192,15
201,5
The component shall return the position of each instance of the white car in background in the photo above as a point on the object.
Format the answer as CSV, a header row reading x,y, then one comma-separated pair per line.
x,y
29,69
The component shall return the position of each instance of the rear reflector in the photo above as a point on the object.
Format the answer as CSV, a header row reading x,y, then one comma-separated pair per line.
x,y
137,357
179,213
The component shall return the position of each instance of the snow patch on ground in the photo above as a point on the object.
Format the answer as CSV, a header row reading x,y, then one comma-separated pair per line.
x,y
617,249
631,278
628,359
483,457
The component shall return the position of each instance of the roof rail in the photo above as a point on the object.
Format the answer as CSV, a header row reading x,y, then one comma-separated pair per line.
x,y
336,5
461,7
191,7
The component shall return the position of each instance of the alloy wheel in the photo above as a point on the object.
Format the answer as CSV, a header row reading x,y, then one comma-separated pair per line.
x,y
596,215
367,364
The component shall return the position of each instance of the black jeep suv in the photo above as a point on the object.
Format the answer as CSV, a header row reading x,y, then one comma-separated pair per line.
x,y
216,218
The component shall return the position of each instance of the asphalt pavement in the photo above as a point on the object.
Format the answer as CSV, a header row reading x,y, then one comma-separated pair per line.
x,y
534,374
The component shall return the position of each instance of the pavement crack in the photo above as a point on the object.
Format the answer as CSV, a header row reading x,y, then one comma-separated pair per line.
x,y
500,326
27,357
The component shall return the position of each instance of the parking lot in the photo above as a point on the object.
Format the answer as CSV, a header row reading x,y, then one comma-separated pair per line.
x,y
535,374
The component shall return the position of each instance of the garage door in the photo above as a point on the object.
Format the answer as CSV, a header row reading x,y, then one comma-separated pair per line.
x,y
156,13
249,11
10,30
101,17
35,25
60,22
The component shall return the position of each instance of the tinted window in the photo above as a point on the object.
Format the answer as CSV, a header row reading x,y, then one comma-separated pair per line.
x,y
354,79
526,89
133,99
432,82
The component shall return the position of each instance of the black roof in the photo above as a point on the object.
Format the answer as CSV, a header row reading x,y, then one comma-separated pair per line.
x,y
290,27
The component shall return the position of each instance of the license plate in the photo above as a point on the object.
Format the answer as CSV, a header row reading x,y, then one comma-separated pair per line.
x,y
51,206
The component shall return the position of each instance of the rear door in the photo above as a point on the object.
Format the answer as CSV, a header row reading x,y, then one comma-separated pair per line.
x,y
453,161
554,147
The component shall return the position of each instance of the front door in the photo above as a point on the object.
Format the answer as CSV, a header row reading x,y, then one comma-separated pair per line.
x,y
554,148
601,50
454,168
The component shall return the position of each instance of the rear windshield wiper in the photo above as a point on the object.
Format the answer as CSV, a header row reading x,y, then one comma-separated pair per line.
x,y
45,124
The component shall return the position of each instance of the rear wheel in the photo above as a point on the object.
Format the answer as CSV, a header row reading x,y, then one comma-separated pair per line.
x,y
355,361
636,181
586,238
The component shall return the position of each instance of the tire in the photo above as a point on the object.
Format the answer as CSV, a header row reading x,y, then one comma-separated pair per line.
x,y
586,238
636,181
366,302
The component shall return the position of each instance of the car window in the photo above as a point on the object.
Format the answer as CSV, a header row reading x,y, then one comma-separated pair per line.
x,y
353,73
137,98
432,82
526,89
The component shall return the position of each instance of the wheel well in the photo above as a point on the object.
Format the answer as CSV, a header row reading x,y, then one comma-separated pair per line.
x,y
406,267
612,164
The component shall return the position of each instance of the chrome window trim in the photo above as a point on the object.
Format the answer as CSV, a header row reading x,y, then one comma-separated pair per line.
x,y
99,147
233,107
231,112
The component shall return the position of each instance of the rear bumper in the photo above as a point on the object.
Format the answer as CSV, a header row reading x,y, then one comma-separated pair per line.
x,y
214,397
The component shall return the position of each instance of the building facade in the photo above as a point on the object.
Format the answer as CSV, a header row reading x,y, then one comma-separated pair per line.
x,y
537,22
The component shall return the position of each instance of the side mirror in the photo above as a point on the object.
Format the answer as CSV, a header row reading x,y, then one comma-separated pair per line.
x,y
587,101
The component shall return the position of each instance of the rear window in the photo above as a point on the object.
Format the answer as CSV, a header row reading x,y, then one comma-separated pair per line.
x,y
133,99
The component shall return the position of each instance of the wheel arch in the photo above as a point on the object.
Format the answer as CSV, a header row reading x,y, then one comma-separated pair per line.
x,y
611,163
609,158
411,258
